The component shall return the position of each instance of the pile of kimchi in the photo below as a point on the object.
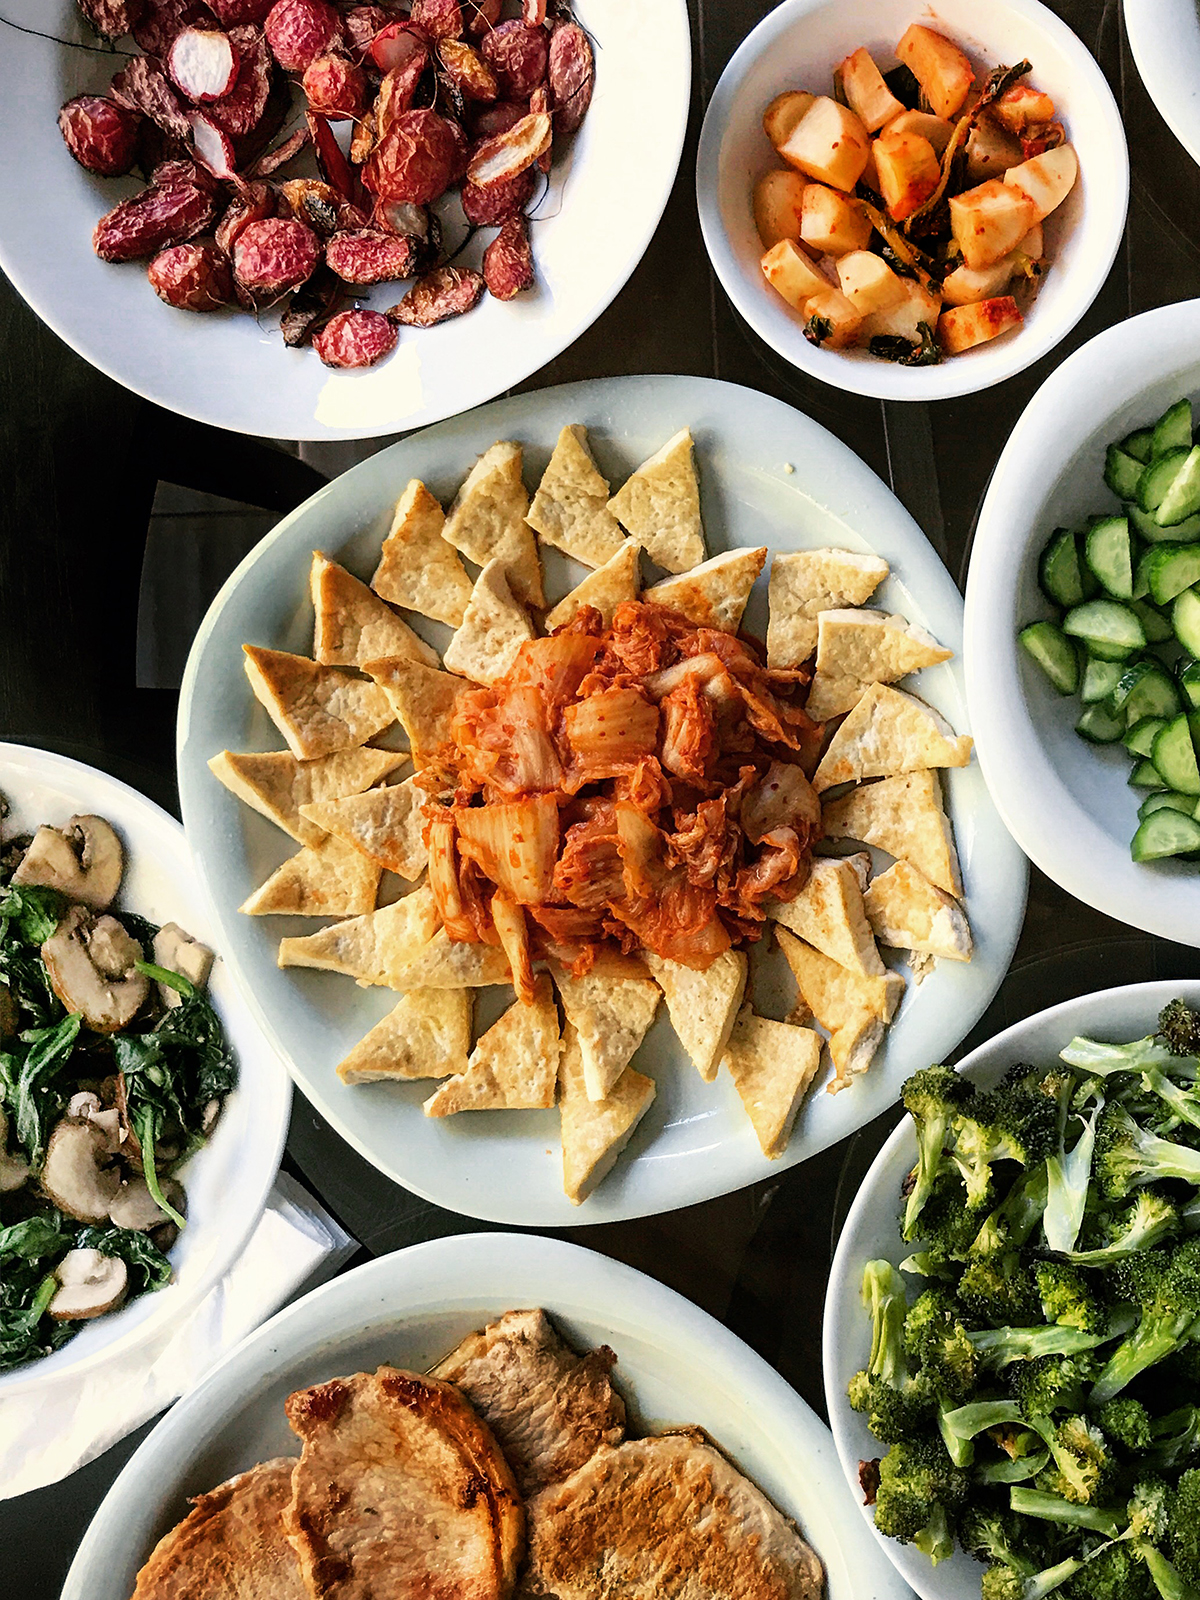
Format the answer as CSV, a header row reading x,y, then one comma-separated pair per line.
x,y
637,787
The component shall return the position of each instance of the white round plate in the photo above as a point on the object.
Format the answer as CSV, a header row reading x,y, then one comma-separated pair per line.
x,y
604,203
797,46
872,1232
695,1141
1164,36
229,1180
1068,803
675,1364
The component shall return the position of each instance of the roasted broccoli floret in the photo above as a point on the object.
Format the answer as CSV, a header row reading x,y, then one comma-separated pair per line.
x,y
1052,1383
1114,1572
1169,1299
937,1343
1179,1027
1127,1156
896,1406
1185,1526
999,1288
919,1495
948,1224
1082,1466
994,1535
1012,1222
997,1347
932,1097
1005,1583
1149,1509
1006,1124
1145,1223
884,1296
1067,1298
1127,1423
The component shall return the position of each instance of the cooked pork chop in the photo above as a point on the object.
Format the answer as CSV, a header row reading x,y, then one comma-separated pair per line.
x,y
550,1409
231,1545
664,1519
401,1491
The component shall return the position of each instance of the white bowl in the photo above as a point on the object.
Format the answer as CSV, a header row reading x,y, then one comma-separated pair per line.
x,y
872,1231
1068,803
1164,37
797,46
604,202
229,1180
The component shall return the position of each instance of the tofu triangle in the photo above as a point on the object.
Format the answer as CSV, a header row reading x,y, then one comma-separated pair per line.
x,y
417,568
804,583
903,815
618,580
371,948
856,648
610,1009
353,624
427,1033
487,521
829,913
326,879
570,509
386,824
659,504
445,963
317,709
494,627
703,1006
513,1067
910,913
853,1010
772,1065
714,594
889,732
423,698
594,1132
277,786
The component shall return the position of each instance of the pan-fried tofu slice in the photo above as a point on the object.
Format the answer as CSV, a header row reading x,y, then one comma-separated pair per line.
x,y
594,1132
904,816
703,1006
857,648
386,824
714,594
514,1066
660,506
829,913
772,1065
326,879
353,624
426,1034
487,521
494,628
610,1009
910,913
422,698
276,785
317,709
444,963
852,1009
807,582
417,568
618,580
570,509
888,732
370,948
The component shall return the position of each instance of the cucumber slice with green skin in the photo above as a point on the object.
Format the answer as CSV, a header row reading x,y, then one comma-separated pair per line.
x,y
1182,499
1099,680
1145,690
1057,655
1143,522
1185,620
1059,571
1164,833
1145,776
1139,444
1164,800
1158,629
1189,683
1155,482
1171,569
1174,756
1141,571
1139,741
1108,629
1109,553
1099,725
1173,430
1121,472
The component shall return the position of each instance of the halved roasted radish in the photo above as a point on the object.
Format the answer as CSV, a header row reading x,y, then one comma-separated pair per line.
x,y
213,146
203,62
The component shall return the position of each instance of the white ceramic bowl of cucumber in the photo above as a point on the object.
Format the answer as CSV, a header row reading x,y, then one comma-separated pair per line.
x,y
1083,624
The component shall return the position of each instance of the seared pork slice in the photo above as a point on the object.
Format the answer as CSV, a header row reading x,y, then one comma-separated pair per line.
x,y
231,1545
550,1409
664,1519
401,1493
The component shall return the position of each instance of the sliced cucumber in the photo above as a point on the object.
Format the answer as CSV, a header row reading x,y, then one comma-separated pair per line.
x,y
1139,741
1182,499
1155,482
1164,800
1138,444
1145,690
1057,655
1145,776
1099,680
1121,472
1059,570
1185,620
1110,556
1158,630
1173,430
1108,629
1170,569
1189,683
1099,725
1174,756
1141,573
1182,533
1165,832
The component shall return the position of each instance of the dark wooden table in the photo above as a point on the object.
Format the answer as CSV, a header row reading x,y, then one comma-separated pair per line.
x,y
82,461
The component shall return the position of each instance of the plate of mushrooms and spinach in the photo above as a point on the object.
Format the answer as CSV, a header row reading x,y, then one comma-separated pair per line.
x,y
141,1114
